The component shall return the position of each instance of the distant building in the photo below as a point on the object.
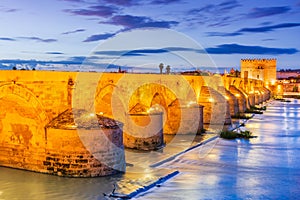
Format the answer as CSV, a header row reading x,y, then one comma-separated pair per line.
x,y
287,75
261,69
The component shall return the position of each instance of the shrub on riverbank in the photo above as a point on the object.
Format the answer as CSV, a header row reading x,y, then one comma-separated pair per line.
x,y
233,135
241,116
256,110
282,100
228,135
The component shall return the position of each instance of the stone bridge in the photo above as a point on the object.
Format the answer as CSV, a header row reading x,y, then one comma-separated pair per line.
x,y
34,106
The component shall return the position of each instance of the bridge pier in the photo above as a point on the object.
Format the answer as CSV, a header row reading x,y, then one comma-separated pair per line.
x,y
216,109
144,131
241,98
251,97
231,100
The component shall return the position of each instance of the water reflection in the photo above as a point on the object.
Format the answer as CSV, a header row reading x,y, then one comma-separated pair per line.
x,y
266,167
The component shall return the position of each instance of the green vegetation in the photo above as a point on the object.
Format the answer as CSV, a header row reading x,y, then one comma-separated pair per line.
x,y
256,110
228,135
241,116
233,135
282,100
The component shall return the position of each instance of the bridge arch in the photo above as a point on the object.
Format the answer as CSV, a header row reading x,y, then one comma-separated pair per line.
x,y
106,100
22,117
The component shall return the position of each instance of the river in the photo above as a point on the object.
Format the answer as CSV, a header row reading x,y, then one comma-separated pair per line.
x,y
266,167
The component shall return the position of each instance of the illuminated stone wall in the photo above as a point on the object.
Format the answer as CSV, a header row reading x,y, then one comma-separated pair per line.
x,y
29,100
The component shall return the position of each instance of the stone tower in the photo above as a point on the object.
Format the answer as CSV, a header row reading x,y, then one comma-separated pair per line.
x,y
261,69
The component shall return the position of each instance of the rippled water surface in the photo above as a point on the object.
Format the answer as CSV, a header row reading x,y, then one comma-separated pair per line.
x,y
266,167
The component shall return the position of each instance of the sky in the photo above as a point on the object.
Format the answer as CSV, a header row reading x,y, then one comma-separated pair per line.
x,y
140,34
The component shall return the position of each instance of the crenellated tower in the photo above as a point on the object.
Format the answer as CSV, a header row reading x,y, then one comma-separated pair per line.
x,y
261,69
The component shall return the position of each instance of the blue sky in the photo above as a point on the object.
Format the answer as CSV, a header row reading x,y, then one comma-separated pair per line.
x,y
60,34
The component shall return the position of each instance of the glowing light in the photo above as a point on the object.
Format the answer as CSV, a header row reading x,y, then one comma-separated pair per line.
x,y
237,95
278,87
191,103
272,82
227,98
101,113
211,100
92,115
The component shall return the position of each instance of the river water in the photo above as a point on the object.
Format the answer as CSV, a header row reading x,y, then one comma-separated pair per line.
x,y
266,167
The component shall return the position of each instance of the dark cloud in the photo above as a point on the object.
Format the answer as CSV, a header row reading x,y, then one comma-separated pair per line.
x,y
75,31
118,53
74,1
221,34
261,29
144,52
218,9
11,10
121,2
131,22
35,62
99,11
54,53
214,15
269,28
243,49
39,39
7,39
99,37
164,1
268,39
220,49
267,11
8,10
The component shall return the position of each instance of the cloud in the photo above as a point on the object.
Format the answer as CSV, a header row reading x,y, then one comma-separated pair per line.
x,y
267,11
243,49
76,1
218,9
220,49
75,31
7,10
268,39
7,39
144,52
221,34
39,39
99,37
261,29
54,53
99,11
131,22
269,28
164,1
118,53
121,2
214,15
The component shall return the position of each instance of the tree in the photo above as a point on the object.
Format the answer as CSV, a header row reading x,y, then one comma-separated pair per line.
x,y
168,69
161,67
